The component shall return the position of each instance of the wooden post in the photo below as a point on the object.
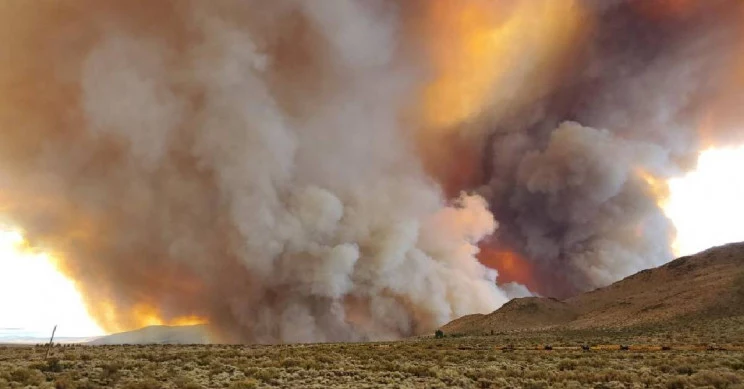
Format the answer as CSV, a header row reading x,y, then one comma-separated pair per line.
x,y
49,348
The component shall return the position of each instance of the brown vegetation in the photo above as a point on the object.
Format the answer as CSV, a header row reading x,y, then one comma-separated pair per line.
x,y
469,362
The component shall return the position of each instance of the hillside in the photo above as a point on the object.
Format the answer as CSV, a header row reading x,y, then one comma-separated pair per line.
x,y
517,314
196,334
706,285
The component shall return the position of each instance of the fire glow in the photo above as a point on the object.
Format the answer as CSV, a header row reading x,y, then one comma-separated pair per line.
x,y
36,296
329,172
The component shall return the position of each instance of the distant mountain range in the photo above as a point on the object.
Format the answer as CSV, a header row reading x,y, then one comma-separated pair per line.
x,y
706,285
196,334
6,338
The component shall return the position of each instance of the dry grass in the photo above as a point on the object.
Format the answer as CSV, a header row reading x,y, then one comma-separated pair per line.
x,y
475,362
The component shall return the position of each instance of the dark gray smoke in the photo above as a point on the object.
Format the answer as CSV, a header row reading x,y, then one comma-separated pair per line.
x,y
568,174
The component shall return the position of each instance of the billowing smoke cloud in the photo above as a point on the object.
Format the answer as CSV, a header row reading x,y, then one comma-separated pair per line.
x,y
297,171
238,161
576,175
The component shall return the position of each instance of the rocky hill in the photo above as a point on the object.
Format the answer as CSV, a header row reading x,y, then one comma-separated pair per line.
x,y
706,285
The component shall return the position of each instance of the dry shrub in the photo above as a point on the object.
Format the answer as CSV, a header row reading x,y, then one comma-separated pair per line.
x,y
566,364
686,370
148,383
186,383
245,384
716,379
64,382
264,374
27,376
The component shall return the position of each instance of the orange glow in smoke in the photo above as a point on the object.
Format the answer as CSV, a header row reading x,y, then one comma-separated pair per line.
x,y
479,46
483,52
466,49
510,265
142,315
146,315
705,129
85,230
114,318
721,125
658,187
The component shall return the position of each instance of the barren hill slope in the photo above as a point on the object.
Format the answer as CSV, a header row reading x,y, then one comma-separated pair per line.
x,y
518,314
195,334
708,284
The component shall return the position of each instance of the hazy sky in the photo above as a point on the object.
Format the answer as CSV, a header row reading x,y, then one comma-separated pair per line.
x,y
706,207
34,296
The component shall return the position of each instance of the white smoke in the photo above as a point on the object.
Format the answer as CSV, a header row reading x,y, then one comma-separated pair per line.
x,y
255,175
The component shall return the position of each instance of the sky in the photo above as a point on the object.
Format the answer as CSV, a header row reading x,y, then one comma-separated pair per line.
x,y
706,206
34,297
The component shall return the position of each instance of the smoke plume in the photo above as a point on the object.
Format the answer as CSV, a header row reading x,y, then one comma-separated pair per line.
x,y
235,161
576,176
295,171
